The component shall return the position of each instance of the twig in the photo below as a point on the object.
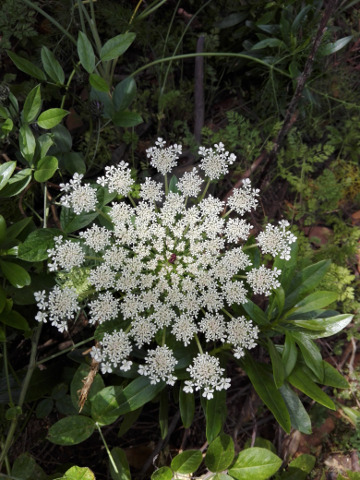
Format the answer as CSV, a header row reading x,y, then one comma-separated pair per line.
x,y
199,91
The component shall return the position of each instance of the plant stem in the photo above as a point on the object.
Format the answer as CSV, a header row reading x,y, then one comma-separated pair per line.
x,y
198,343
107,449
205,190
64,351
7,371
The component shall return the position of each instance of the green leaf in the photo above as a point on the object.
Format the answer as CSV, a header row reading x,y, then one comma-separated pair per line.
x,y
70,221
44,407
17,183
78,382
173,184
14,230
215,414
36,245
255,313
98,83
7,126
13,412
71,430
62,140
128,421
78,473
302,382
311,354
187,462
277,365
26,468
32,104
15,274
124,94
305,281
324,327
51,66
26,66
45,168
221,476
187,407
299,417
289,355
333,47
105,404
269,43
255,464
220,453
315,301
45,142
333,378
6,170
121,463
125,118
74,163
300,468
267,391
27,143
15,320
50,118
163,473
85,52
2,299
116,46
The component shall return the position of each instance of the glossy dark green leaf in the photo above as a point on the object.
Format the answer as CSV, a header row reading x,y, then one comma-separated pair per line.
x,y
51,66
71,222
315,301
333,378
265,387
163,473
15,274
2,229
277,365
45,141
71,430
125,118
220,453
255,313
215,414
255,464
299,417
333,47
44,407
173,184
78,473
187,462
6,170
128,421
302,382
300,468
26,66
74,163
27,143
124,94
187,407
45,168
105,405
52,117
98,83
311,354
17,184
34,248
26,468
324,327
269,43
116,46
289,355
85,52
32,104
122,465
15,320
14,230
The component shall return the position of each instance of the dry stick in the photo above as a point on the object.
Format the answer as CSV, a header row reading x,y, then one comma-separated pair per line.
x,y
291,113
199,91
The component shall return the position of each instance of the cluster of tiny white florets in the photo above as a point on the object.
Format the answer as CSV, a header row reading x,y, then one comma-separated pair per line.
x,y
80,198
166,265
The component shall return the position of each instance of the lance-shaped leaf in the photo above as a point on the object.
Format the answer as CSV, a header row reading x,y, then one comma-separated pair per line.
x,y
26,66
51,66
50,118
32,104
116,46
85,52
302,382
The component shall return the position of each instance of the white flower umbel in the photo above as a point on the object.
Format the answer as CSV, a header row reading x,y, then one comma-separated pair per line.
x,y
242,334
159,365
80,198
96,237
190,184
105,307
216,161
276,240
163,158
65,255
214,327
206,375
262,280
117,179
151,191
60,307
115,348
244,199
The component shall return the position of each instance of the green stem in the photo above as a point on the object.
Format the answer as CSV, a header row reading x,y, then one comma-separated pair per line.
x,y
205,190
107,449
23,392
45,206
132,201
198,343
64,351
227,313
166,184
103,214
67,86
7,370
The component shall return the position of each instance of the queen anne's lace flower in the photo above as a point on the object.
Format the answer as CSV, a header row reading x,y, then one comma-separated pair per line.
x,y
262,280
216,161
276,240
60,307
159,365
242,334
115,348
104,308
96,237
80,198
244,199
190,184
213,326
163,158
151,191
117,179
65,254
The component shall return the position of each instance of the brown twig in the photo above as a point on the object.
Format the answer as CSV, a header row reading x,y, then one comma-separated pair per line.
x,y
291,112
87,382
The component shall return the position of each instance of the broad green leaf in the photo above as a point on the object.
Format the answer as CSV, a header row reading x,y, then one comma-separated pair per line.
x,y
124,94
302,382
74,163
14,230
15,274
51,66
78,473
50,118
27,143
45,142
32,104
279,296
289,355
221,476
269,43
123,469
4,112
71,430
6,170
333,378
70,221
78,382
2,229
17,183
15,320
187,407
7,126
333,47
105,404
34,248
315,301
324,327
305,281
45,168
220,453
260,442
215,414
125,118
300,18
13,412
255,313
44,407
311,353
300,468
116,46
277,365
267,391
299,417
128,421
255,464
187,462
26,468
98,83
173,184
26,66
62,140
163,473
85,52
